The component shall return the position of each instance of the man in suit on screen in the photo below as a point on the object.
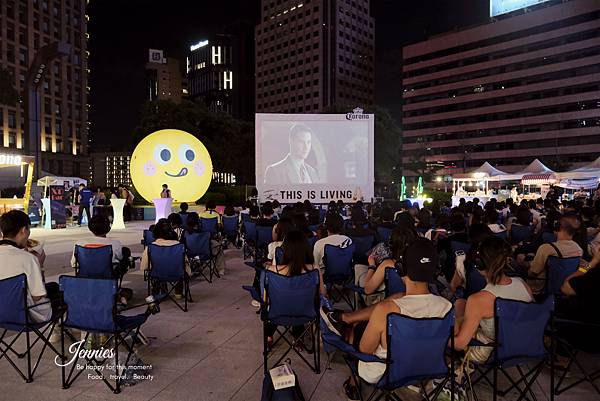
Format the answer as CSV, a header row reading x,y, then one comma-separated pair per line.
x,y
293,169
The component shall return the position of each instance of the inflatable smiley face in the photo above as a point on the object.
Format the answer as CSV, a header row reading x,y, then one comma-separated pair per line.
x,y
171,157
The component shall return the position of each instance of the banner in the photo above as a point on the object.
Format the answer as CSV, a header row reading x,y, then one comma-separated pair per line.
x,y
319,157
58,198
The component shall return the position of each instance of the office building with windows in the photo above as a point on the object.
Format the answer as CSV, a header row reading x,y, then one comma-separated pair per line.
x,y
163,77
110,169
25,27
525,85
311,54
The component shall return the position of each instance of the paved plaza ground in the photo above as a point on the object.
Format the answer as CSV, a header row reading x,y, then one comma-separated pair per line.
x,y
212,352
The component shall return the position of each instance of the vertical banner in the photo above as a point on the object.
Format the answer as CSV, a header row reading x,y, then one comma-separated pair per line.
x,y
58,198
319,157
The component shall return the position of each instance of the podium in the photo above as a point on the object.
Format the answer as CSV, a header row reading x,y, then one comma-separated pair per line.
x,y
47,213
163,207
117,206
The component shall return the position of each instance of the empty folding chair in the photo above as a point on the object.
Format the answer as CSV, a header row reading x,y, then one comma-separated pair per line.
x,y
199,254
291,301
15,318
166,270
91,305
519,344
339,272
415,355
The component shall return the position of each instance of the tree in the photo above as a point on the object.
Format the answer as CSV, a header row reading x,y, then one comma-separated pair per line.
x,y
418,164
229,141
387,142
8,94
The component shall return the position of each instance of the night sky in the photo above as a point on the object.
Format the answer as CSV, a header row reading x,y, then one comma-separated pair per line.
x,y
121,32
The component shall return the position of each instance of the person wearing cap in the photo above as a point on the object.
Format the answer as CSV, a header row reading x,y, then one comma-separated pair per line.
x,y
421,264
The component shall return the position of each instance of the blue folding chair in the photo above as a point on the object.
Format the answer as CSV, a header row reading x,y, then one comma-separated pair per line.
x,y
362,245
339,271
249,238
548,237
184,219
502,235
279,255
520,234
230,227
167,269
264,236
415,354
474,281
393,282
557,271
384,234
148,238
460,246
94,262
91,305
198,249
312,241
14,317
520,328
288,302
209,225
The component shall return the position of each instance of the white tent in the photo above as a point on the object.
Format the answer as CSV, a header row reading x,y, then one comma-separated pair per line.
x,y
588,171
485,171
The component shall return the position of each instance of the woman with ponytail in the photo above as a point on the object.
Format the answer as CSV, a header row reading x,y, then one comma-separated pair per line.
x,y
492,261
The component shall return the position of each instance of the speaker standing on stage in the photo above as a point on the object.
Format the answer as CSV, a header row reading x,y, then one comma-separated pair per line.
x,y
166,192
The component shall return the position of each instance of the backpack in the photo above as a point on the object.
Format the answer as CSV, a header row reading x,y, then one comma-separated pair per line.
x,y
284,394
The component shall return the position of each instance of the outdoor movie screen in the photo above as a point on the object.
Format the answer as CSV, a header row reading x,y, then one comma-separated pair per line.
x,y
319,157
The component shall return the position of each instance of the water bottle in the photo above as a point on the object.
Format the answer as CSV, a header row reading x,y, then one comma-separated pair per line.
x,y
152,305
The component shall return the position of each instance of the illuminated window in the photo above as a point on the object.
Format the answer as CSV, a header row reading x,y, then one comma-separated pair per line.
x,y
216,54
227,80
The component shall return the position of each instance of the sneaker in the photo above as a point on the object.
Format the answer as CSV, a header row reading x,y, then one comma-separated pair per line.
x,y
255,303
460,394
351,391
334,321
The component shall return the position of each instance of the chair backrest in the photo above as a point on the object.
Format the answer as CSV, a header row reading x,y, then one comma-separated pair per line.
x,y
460,246
230,224
362,245
339,263
264,236
250,230
520,234
292,300
520,328
502,235
416,349
312,241
148,237
184,219
13,300
167,263
558,269
393,282
94,262
209,224
91,303
474,281
548,237
384,234
198,244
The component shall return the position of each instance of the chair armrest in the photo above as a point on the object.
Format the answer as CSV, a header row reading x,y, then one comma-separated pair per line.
x,y
355,288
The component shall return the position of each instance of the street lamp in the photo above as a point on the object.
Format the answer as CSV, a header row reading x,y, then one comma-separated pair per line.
x,y
34,79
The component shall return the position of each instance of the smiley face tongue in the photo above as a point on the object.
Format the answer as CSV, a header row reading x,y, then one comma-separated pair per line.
x,y
182,173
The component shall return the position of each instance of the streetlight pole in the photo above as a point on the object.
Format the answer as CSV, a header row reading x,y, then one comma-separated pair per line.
x,y
34,79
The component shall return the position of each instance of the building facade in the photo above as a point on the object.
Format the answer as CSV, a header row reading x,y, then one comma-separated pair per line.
x,y
163,77
25,27
210,73
311,54
524,86
110,169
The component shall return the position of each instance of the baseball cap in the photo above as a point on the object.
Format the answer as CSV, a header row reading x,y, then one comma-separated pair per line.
x,y
421,260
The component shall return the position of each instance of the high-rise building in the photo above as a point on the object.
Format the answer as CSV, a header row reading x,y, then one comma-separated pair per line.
x,y
110,169
524,86
25,27
163,77
311,54
210,72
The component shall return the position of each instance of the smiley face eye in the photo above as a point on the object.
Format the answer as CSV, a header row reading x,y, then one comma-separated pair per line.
x,y
186,154
162,154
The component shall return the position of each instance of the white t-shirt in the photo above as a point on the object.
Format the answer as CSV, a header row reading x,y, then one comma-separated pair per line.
x,y
335,240
17,261
94,242
272,247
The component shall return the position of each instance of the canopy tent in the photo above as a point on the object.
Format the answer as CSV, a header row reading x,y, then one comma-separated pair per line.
x,y
571,183
485,171
588,171
67,182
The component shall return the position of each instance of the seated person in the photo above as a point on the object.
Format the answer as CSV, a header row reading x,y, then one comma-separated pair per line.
x,y
421,261
211,212
424,227
563,247
475,319
193,226
267,216
386,218
334,224
477,234
177,224
99,226
491,219
372,277
358,221
523,219
183,208
15,228
283,227
458,227
301,224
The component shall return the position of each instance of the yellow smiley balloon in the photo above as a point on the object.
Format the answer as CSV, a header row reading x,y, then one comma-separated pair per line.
x,y
171,157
